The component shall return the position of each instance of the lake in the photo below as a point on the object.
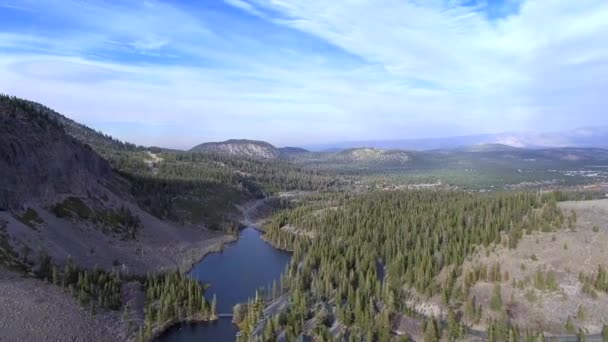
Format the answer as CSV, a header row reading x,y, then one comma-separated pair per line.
x,y
234,274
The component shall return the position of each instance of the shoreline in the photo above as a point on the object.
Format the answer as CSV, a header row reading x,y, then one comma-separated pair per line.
x,y
218,247
263,237
188,264
160,330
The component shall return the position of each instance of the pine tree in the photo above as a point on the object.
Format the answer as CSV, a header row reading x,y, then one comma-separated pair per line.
x,y
430,333
453,326
214,307
496,300
570,325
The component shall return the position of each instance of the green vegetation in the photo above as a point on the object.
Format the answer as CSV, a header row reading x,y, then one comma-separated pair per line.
x,y
171,298
431,331
489,170
247,315
96,287
570,325
481,273
119,221
8,256
72,207
30,218
415,234
496,299
419,239
545,281
597,282
203,187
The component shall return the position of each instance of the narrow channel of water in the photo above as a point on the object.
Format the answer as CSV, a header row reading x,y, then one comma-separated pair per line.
x,y
234,274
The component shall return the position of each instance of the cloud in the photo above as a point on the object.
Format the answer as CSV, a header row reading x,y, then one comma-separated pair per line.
x,y
289,71
149,43
525,59
245,6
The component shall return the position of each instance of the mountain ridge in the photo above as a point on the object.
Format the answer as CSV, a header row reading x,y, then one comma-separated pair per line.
x,y
578,137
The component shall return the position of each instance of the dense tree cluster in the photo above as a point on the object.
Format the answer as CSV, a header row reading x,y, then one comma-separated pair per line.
x,y
202,187
267,176
408,236
246,316
120,221
96,288
174,297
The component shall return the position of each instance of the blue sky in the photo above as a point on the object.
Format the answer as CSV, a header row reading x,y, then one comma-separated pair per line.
x,y
177,73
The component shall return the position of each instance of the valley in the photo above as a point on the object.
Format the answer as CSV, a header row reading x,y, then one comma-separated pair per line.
x,y
386,244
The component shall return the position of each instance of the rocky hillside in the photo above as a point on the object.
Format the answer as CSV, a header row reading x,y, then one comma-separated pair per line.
x,y
82,133
39,162
241,148
58,197
372,155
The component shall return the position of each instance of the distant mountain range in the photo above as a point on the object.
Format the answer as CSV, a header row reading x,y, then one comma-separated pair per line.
x,y
388,150
580,137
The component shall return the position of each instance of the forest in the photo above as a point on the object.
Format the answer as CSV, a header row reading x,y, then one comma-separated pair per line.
x,y
203,187
361,255
373,253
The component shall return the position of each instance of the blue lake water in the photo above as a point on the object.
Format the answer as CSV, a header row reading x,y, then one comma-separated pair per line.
x,y
234,274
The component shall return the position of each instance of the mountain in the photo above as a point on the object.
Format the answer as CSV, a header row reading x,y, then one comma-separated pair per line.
x,y
241,148
60,198
38,161
292,150
580,137
81,132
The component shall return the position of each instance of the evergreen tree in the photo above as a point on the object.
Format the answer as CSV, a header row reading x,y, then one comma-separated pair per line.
x,y
431,333
496,299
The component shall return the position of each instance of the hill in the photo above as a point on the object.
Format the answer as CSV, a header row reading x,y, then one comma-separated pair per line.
x,y
82,133
38,161
61,199
368,156
241,148
354,159
292,150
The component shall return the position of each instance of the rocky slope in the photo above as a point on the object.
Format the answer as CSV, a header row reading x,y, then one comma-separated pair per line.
x,y
82,133
59,197
39,162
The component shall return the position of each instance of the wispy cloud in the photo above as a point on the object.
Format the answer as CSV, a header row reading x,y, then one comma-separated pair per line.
x,y
289,71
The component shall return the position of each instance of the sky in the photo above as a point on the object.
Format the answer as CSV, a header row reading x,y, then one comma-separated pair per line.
x,y
300,72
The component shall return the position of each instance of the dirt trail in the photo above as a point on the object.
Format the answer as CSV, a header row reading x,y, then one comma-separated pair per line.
x,y
152,163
